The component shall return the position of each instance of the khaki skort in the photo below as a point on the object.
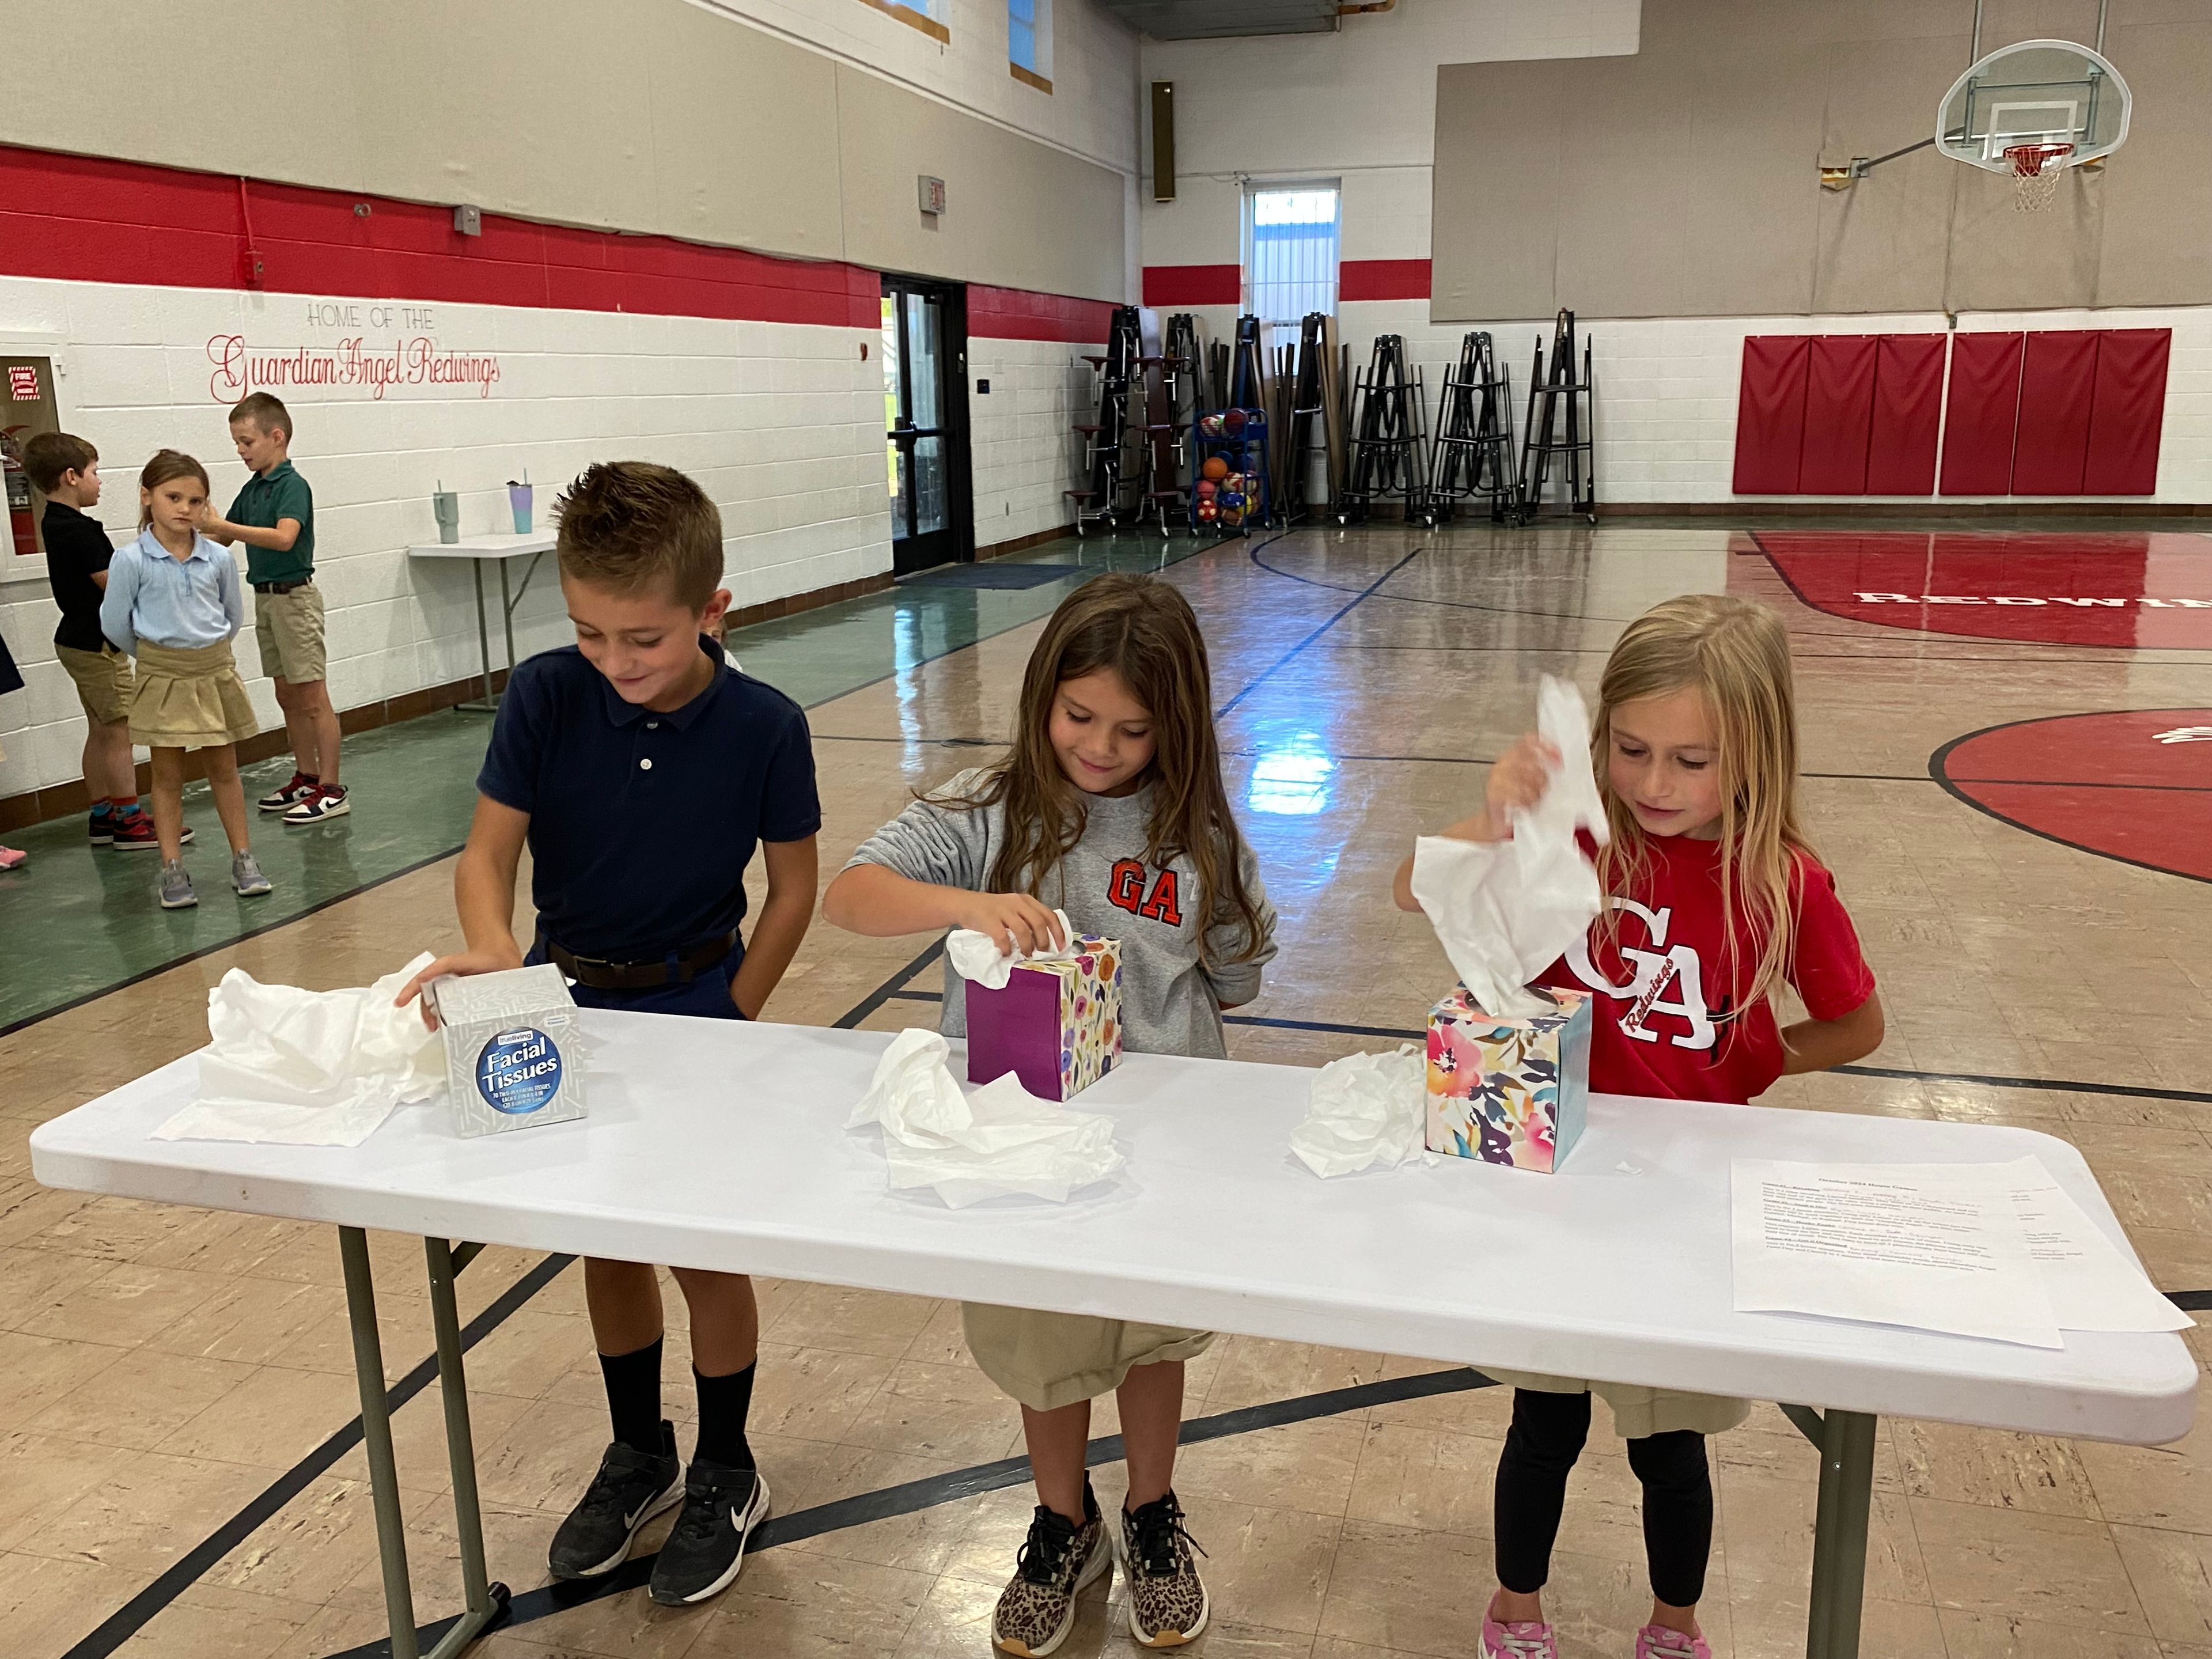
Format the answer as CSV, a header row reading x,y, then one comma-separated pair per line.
x,y
289,626
1048,1360
1639,1412
190,698
105,683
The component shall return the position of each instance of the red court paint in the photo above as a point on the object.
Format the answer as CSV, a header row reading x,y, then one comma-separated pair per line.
x,y
2133,785
2148,591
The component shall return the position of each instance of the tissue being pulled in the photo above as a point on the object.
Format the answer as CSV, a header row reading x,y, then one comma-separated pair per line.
x,y
1367,1109
1504,911
980,957
309,1068
999,1140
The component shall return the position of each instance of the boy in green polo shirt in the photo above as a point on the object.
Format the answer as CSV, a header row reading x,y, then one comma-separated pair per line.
x,y
274,516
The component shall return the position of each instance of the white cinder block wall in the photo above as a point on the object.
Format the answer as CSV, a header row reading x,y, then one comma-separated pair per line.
x,y
1025,456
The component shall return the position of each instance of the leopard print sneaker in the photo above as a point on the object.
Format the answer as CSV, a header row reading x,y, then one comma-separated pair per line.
x,y
1058,1561
1167,1602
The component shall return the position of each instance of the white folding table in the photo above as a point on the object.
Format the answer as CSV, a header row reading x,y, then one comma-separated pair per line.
x,y
497,549
720,1144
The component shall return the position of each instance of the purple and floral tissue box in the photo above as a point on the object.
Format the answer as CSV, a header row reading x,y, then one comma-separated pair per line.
x,y
1509,1090
1056,1025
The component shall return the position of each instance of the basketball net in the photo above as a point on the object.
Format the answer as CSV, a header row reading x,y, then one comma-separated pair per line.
x,y
2035,170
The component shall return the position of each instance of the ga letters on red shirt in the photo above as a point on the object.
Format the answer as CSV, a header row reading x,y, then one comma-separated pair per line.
x,y
1693,1039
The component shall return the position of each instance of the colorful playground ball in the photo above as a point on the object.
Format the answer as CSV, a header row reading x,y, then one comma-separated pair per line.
x,y
1233,422
1234,481
1209,426
1231,499
1207,511
1232,519
1205,488
1215,468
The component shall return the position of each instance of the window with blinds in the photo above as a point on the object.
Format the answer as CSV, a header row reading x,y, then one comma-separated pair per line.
x,y
1291,251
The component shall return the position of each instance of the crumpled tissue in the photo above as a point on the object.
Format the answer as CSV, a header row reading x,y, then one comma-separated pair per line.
x,y
1504,911
309,1068
1368,1110
980,957
999,1140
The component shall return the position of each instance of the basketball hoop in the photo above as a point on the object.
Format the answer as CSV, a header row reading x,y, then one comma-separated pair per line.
x,y
2035,170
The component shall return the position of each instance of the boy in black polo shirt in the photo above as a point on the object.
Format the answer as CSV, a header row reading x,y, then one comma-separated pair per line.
x,y
641,769
66,470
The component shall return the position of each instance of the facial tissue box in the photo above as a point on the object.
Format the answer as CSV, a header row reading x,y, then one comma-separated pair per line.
x,y
1056,1025
510,1055
1509,1090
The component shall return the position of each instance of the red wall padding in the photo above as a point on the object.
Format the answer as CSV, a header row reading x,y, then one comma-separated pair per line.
x,y
1770,427
2050,445
1908,413
1981,414
1839,415
2126,411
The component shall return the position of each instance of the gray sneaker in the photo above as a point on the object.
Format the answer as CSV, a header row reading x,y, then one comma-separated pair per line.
x,y
176,888
246,877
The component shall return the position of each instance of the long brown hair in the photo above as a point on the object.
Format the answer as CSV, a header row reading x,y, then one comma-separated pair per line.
x,y
166,466
1736,655
1144,630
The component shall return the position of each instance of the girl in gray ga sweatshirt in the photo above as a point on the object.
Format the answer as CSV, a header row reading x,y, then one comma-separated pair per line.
x,y
1109,805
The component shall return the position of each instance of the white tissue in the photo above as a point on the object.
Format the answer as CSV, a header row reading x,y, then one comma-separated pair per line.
x,y
980,957
307,1068
1001,1139
1367,1109
1504,911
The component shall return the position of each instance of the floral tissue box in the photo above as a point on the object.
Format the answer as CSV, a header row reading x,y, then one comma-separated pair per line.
x,y
1509,1090
1056,1025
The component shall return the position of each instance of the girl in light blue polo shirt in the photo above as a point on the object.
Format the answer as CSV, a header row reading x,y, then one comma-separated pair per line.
x,y
172,602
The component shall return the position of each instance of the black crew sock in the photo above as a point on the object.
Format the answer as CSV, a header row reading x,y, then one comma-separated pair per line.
x,y
724,1402
633,1397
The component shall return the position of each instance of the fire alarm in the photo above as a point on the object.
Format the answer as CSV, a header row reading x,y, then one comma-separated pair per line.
x,y
932,195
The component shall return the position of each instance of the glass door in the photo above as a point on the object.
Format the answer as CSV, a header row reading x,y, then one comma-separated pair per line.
x,y
926,421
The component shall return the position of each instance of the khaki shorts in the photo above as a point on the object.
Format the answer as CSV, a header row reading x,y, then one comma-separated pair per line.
x,y
290,628
105,683
1639,1412
1048,1360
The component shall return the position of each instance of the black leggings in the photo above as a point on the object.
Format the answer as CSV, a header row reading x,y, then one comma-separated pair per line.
x,y
1540,1447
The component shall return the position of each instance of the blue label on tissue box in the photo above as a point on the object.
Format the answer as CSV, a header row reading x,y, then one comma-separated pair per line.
x,y
518,1071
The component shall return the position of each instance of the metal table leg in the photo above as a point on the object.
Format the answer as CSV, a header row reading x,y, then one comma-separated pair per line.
x,y
1840,1534
507,616
486,1603
487,703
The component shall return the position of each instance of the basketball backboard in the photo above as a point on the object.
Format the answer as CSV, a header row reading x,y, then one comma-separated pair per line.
x,y
2045,93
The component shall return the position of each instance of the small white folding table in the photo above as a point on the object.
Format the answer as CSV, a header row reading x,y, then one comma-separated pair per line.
x,y
480,551
722,1144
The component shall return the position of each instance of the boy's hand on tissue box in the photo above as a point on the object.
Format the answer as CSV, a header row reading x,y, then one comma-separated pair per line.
x,y
1017,923
465,962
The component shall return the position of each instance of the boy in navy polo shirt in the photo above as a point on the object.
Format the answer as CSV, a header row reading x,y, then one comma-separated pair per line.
x,y
641,769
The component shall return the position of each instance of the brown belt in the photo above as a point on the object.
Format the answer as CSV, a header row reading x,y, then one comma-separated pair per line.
x,y
602,976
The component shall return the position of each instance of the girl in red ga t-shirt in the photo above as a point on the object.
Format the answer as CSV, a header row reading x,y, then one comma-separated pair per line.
x,y
1714,901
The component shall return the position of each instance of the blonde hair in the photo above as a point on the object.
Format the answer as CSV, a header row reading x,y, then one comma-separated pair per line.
x,y
1736,655
166,467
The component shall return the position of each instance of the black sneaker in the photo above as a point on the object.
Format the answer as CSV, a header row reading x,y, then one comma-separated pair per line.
x,y
630,1488
722,1507
100,829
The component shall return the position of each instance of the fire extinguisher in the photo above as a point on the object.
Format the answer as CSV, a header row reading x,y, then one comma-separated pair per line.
x,y
20,521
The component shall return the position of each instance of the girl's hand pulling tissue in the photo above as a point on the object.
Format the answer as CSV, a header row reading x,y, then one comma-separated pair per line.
x,y
1517,781
1017,923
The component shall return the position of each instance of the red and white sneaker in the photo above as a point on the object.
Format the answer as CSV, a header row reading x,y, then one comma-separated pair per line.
x,y
283,800
327,800
1523,1638
1662,1642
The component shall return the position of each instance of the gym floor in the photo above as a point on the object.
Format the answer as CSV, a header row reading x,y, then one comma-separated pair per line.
x,y
176,1473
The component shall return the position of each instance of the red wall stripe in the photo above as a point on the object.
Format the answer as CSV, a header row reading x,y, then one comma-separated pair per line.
x,y
1908,411
1012,314
2050,446
1981,414
1770,426
1194,285
88,219
1382,279
1839,415
2126,411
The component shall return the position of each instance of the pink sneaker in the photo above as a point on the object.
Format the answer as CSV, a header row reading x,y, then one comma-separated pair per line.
x,y
10,857
1524,1638
1659,1641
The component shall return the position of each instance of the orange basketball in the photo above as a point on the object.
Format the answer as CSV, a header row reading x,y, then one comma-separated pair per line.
x,y
1215,468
